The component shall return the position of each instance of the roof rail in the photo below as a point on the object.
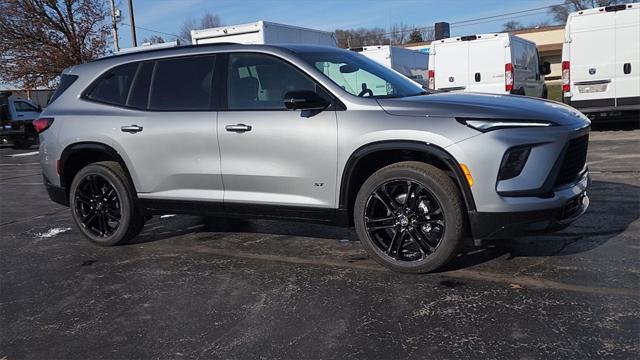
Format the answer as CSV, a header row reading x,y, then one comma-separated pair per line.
x,y
146,49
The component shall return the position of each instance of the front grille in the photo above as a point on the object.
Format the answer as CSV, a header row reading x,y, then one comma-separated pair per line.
x,y
574,159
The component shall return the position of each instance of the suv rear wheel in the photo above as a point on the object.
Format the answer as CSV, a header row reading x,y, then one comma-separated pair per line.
x,y
103,204
409,217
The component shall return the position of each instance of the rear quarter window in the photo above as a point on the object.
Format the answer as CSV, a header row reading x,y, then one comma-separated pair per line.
x,y
113,86
65,81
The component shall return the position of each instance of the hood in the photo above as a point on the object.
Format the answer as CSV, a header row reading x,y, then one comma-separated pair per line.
x,y
485,106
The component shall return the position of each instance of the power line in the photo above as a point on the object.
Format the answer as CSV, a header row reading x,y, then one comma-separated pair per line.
x,y
493,20
155,31
505,14
477,21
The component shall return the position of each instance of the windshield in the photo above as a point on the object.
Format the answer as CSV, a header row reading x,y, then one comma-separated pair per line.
x,y
361,76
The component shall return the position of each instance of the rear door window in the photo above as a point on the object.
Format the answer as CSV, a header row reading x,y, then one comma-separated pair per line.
x,y
182,84
113,86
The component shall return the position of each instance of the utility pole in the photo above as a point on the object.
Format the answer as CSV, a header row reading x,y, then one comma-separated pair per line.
x,y
115,16
133,24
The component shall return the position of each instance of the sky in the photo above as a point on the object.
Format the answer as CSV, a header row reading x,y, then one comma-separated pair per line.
x,y
167,16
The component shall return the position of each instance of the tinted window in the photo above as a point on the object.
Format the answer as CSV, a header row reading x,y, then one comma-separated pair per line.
x,y
65,82
258,81
22,106
182,84
139,94
113,86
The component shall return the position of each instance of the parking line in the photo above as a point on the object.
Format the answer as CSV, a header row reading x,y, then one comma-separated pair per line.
x,y
24,154
19,164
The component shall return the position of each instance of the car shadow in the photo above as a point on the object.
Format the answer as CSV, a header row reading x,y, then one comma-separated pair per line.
x,y
613,207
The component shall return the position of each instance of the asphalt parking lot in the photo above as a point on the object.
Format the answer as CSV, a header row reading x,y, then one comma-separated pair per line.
x,y
195,288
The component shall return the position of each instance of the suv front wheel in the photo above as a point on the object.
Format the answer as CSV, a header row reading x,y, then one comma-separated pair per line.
x,y
103,204
409,217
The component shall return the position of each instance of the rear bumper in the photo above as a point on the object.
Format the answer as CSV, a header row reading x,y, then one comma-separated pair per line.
x,y
604,105
499,225
57,194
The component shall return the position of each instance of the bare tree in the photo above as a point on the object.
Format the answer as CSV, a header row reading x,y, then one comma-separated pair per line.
x,y
428,34
208,20
511,25
360,37
40,38
399,33
154,39
560,12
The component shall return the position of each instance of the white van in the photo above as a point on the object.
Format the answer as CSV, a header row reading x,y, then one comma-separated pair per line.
x,y
263,32
491,63
410,63
601,61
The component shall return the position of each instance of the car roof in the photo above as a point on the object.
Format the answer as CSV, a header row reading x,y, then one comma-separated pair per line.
x,y
229,45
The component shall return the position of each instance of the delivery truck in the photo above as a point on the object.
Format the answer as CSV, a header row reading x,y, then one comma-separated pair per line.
x,y
601,62
498,63
263,32
410,63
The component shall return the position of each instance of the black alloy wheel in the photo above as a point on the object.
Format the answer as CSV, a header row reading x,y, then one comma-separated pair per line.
x,y
405,220
409,217
103,204
98,205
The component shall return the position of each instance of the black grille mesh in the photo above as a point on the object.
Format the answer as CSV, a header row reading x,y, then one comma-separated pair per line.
x,y
574,160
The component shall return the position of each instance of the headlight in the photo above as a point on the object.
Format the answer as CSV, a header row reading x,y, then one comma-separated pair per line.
x,y
485,125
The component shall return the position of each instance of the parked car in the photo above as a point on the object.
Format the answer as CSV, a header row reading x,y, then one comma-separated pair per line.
x,y
263,32
601,62
410,63
16,115
276,132
491,63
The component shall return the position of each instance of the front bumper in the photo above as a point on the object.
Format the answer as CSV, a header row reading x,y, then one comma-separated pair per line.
x,y
500,225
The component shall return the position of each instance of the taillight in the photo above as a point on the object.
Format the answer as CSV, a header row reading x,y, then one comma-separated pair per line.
x,y
566,76
508,77
431,75
42,124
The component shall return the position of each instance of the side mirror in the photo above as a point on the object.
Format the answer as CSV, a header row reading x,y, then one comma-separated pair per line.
x,y
305,100
545,68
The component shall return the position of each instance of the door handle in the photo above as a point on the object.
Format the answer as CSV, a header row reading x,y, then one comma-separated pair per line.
x,y
239,128
131,129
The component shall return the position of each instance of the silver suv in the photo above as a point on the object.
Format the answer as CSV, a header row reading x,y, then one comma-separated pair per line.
x,y
308,133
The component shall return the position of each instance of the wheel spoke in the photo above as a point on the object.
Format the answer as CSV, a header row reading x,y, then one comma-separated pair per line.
x,y
83,199
430,221
386,200
412,194
382,223
421,241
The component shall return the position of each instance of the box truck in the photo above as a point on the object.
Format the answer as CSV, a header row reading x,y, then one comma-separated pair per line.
x,y
498,63
263,32
601,62
410,63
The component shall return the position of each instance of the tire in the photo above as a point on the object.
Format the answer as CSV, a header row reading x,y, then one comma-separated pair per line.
x,y
430,224
94,207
